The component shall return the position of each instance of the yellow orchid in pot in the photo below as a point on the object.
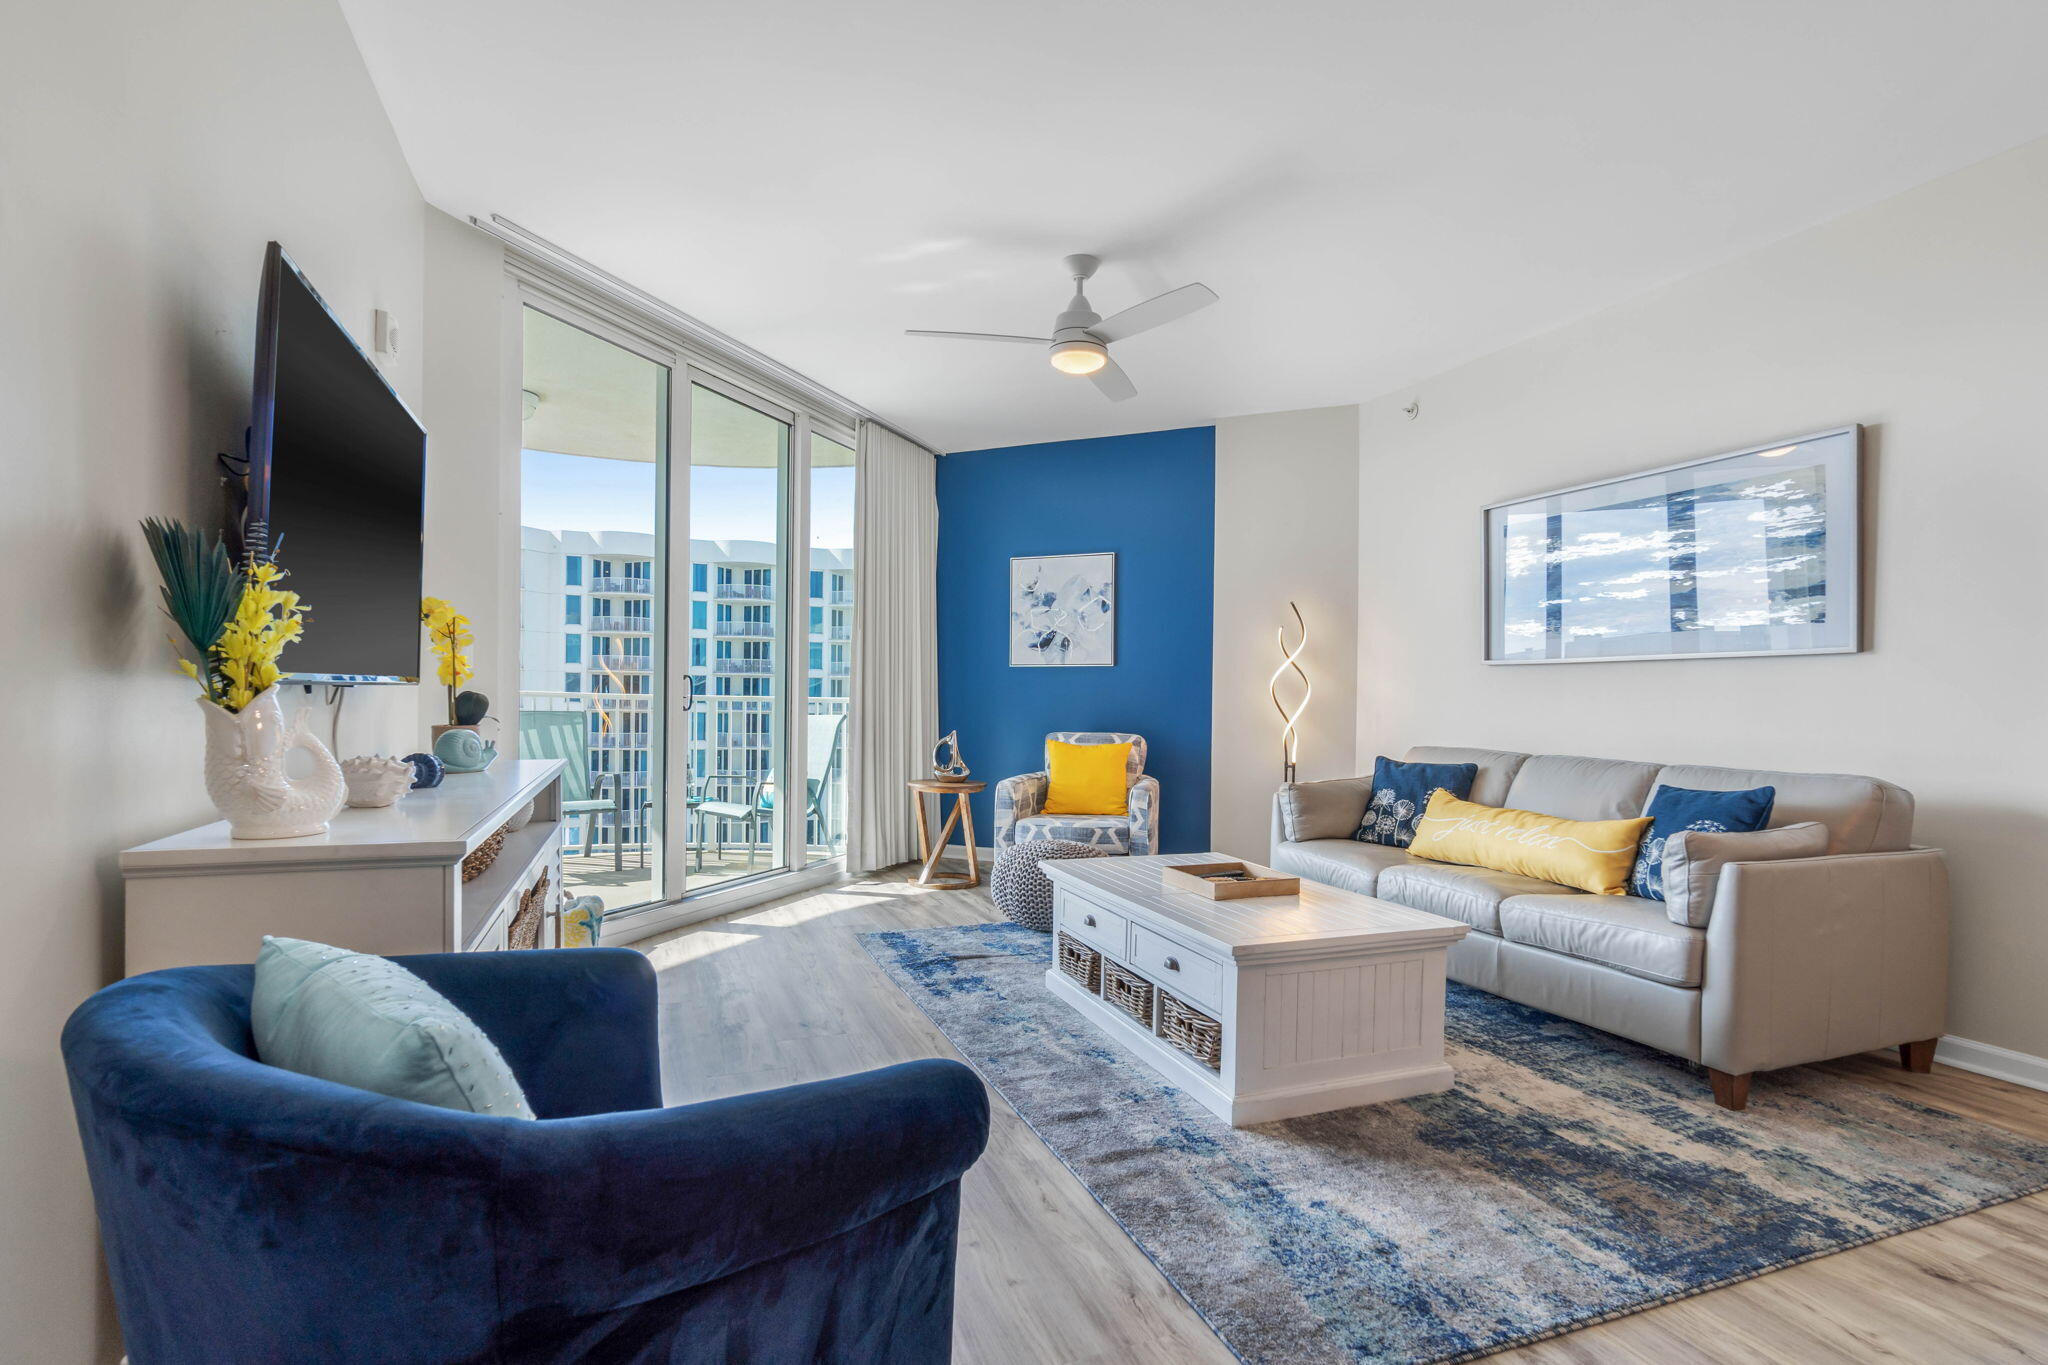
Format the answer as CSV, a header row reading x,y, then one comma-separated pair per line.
x,y
457,744
235,624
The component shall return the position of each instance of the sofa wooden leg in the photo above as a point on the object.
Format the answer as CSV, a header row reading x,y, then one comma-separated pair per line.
x,y
1918,1056
1730,1092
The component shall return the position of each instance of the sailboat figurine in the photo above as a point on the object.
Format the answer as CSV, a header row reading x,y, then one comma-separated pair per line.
x,y
946,763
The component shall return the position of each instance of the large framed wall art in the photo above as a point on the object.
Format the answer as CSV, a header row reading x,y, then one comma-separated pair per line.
x,y
1752,552
1063,611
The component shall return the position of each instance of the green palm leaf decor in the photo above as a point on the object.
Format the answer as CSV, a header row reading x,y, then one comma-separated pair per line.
x,y
200,584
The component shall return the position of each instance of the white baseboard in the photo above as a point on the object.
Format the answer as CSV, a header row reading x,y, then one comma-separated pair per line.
x,y
1999,1063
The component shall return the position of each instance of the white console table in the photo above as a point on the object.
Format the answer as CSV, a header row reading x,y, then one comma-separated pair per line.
x,y
387,880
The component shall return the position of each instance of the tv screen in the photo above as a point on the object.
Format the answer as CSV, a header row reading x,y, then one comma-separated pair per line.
x,y
337,479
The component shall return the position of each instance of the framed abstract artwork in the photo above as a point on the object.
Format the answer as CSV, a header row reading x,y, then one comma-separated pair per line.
x,y
1752,552
1063,611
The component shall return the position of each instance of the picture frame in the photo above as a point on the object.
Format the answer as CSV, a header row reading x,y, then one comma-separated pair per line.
x,y
1747,553
1062,611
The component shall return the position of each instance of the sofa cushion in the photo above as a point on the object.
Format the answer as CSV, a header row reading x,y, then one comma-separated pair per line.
x,y
1471,894
1112,832
1497,769
1323,810
1627,933
1343,863
1863,814
1584,788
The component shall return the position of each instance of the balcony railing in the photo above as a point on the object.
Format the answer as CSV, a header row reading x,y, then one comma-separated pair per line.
x,y
604,623
755,667
613,739
634,587
841,633
623,663
841,599
752,592
753,630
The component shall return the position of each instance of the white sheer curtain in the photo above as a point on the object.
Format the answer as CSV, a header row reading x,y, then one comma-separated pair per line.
x,y
895,681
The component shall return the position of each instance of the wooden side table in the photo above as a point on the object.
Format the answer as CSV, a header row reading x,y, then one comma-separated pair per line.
x,y
962,818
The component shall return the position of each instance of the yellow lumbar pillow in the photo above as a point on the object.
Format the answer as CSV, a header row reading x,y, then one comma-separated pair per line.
x,y
1592,855
1086,779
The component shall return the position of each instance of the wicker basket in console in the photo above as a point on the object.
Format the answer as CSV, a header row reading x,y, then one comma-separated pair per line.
x,y
1127,991
1191,1031
1082,963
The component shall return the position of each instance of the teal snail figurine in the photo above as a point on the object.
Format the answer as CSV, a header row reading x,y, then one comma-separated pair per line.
x,y
465,751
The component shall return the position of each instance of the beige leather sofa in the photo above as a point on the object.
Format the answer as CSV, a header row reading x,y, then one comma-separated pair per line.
x,y
1801,958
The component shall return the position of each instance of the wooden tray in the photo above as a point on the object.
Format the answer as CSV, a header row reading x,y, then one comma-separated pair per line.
x,y
1191,877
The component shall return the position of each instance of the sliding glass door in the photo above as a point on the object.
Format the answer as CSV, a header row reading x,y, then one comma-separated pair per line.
x,y
592,549
685,620
739,632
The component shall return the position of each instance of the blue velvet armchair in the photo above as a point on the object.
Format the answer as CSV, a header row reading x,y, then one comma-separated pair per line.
x,y
253,1214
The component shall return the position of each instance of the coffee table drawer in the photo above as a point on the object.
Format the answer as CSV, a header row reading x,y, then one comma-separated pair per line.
x,y
1179,969
1106,929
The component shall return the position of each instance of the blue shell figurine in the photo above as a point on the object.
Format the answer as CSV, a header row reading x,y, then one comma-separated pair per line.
x,y
464,751
426,770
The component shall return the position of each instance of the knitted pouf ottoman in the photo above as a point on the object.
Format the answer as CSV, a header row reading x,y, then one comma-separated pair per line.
x,y
1021,889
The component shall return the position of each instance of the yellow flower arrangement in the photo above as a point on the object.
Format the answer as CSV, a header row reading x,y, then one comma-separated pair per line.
x,y
241,661
449,631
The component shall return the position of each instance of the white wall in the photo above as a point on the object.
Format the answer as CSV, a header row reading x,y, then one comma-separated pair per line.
x,y
1286,530
147,153
1924,317
472,555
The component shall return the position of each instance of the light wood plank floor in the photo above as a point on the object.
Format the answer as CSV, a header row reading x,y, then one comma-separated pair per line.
x,y
784,993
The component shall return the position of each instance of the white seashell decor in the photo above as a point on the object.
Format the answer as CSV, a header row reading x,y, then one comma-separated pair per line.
x,y
376,780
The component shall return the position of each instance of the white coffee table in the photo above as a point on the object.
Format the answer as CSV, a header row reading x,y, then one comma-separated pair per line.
x,y
1327,999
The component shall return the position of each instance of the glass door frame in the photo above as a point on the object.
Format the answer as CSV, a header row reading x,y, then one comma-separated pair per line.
x,y
662,701
529,284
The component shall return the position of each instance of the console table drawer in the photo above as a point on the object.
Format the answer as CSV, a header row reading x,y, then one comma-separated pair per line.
x,y
1181,970
1106,929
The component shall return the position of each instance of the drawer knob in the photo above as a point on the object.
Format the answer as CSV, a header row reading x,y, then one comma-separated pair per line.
x,y
1173,964
1088,920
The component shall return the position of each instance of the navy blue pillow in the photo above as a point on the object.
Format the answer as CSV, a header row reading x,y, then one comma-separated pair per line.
x,y
1401,790
1674,810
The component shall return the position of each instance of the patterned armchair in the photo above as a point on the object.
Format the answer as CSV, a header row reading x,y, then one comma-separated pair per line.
x,y
1020,799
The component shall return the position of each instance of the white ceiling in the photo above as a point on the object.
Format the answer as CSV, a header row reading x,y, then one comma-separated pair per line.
x,y
1377,190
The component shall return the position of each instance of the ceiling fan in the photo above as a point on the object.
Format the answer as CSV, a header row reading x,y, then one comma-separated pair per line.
x,y
1079,344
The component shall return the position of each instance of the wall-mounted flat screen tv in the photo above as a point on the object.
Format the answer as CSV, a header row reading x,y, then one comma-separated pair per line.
x,y
337,483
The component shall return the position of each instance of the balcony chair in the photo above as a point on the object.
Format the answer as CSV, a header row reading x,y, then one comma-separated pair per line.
x,y
566,735
254,1214
1018,801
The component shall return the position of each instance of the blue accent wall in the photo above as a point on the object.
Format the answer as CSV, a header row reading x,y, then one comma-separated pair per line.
x,y
1152,499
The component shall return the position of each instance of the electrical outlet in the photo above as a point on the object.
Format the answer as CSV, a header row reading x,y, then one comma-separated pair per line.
x,y
385,332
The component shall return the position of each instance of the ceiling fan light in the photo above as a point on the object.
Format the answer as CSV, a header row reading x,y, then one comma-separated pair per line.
x,y
1079,357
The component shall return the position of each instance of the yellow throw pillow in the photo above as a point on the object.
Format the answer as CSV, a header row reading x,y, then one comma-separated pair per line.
x,y
1592,855
1086,779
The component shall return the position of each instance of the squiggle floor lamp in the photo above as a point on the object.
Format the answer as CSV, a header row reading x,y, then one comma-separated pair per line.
x,y
1290,737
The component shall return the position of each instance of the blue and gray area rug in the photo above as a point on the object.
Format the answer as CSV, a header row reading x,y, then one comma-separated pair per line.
x,y
1570,1177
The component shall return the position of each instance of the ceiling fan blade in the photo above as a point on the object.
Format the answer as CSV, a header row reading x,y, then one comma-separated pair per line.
x,y
983,336
1154,312
1116,386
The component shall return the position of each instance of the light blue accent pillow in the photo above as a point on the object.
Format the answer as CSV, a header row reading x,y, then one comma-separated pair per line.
x,y
365,1021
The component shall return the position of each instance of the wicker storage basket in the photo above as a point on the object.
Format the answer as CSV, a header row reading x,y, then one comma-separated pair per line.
x,y
1127,991
484,854
524,931
1082,963
1193,1032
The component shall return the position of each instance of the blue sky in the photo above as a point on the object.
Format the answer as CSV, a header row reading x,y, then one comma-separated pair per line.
x,y
577,493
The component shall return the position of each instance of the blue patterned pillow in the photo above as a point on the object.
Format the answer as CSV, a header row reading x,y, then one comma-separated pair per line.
x,y
1401,790
1673,810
